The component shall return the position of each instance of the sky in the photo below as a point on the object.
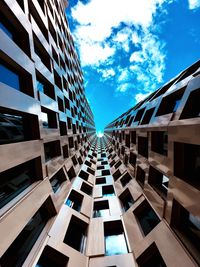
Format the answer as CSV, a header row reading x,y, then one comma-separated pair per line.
x,y
130,48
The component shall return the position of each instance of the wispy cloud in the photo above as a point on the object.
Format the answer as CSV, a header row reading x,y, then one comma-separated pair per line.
x,y
193,4
123,34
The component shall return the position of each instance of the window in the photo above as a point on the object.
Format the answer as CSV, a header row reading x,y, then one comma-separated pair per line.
x,y
10,77
118,164
143,146
140,176
63,128
41,52
170,103
159,142
133,137
158,181
18,251
57,180
147,116
71,173
101,180
49,118
71,142
44,86
17,127
189,231
91,171
75,200
76,234
139,114
146,217
52,150
84,175
192,108
108,191
125,179
65,151
115,241
101,209
187,163
105,172
52,258
126,199
86,189
151,258
132,159
15,180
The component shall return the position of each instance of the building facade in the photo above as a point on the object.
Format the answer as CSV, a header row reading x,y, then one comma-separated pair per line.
x,y
68,198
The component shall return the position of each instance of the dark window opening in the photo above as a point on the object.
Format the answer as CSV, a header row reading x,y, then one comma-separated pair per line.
x,y
49,118
15,180
60,104
146,216
119,163
19,80
80,160
100,167
108,191
76,234
74,160
127,140
189,231
75,200
151,258
18,251
170,103
126,178
139,114
158,181
143,146
105,172
192,107
133,137
187,163
90,171
71,173
159,142
63,128
101,209
45,87
140,176
86,189
57,180
126,199
41,52
65,151
101,180
71,142
88,163
52,150
52,258
132,159
17,127
115,241
58,80
84,175
147,116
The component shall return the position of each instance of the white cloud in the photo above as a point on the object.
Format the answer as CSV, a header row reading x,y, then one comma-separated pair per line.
x,y
97,19
107,73
124,75
193,4
140,96
122,88
93,54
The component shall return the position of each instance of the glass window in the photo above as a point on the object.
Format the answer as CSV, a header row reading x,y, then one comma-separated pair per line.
x,y
18,251
9,77
115,241
101,209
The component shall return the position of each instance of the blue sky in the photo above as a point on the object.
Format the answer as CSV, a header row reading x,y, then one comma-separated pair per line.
x,y
130,48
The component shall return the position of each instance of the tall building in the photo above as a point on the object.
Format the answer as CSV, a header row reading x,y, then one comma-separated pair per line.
x,y
68,198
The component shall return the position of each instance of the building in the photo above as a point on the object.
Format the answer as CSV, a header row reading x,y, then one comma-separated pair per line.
x,y
68,198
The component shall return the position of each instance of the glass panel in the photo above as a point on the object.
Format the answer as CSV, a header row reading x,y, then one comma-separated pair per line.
x,y
9,77
115,244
